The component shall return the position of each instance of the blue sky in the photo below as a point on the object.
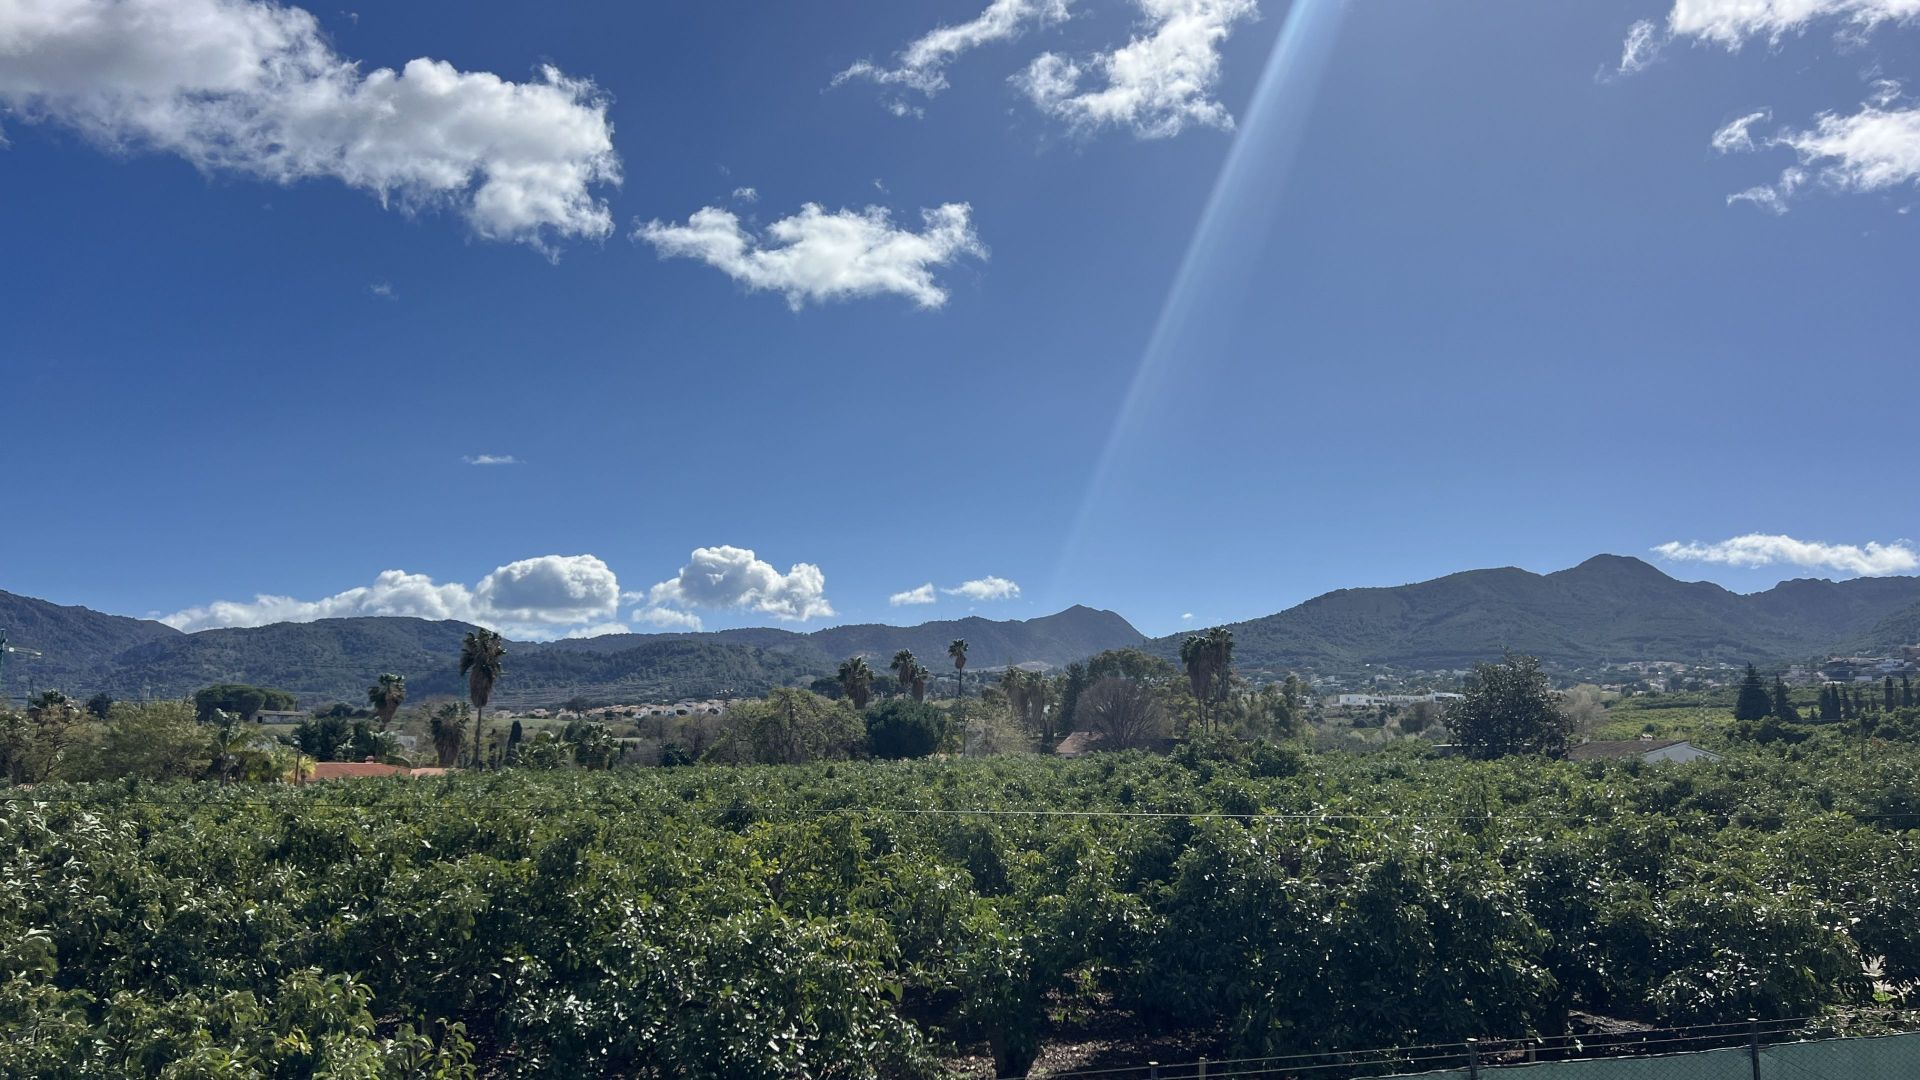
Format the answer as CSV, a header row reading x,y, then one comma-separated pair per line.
x,y
1191,309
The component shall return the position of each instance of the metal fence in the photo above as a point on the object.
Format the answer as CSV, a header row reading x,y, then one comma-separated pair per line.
x,y
1779,1050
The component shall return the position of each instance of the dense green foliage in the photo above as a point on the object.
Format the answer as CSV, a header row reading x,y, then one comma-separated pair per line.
x,y
787,921
1509,708
239,699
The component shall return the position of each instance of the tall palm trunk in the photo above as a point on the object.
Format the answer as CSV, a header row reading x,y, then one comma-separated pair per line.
x,y
479,751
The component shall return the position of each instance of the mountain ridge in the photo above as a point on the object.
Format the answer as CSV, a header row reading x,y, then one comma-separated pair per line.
x,y
334,659
1608,608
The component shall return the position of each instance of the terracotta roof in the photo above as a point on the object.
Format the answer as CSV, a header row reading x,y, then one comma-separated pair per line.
x,y
353,770
1078,743
1619,750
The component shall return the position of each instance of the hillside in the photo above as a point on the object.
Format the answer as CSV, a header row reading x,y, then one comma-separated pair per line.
x,y
1609,608
333,659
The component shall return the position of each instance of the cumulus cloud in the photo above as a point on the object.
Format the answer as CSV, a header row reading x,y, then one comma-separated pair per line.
x,y
1156,84
491,459
920,594
1873,149
255,88
986,588
1760,549
1186,616
819,256
529,598
922,65
732,578
550,589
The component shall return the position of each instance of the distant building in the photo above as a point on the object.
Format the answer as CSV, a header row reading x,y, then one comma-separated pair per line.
x,y
369,769
1648,750
1368,701
1078,744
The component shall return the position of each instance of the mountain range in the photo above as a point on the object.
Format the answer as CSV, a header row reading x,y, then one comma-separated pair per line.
x,y
84,652
1608,609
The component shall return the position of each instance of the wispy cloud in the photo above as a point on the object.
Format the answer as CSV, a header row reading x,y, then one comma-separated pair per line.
x,y
491,459
256,88
922,65
817,255
382,290
1872,149
1872,559
920,594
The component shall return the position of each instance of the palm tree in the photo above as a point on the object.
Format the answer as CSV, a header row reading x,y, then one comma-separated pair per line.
x,y
856,678
385,695
1209,661
903,665
227,742
449,731
920,677
480,655
958,651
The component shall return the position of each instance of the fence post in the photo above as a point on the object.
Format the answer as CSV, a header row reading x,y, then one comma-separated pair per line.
x,y
1753,1044
1202,1074
1473,1059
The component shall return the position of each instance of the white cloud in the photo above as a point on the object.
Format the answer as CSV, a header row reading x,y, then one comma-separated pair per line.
x,y
1873,149
1738,135
1156,84
491,459
1759,549
382,290
1642,45
529,598
923,63
599,630
1733,23
1186,616
746,194
820,256
550,589
669,619
728,577
255,88
920,594
986,588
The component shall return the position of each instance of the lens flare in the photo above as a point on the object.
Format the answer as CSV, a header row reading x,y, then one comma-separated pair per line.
x,y
1230,238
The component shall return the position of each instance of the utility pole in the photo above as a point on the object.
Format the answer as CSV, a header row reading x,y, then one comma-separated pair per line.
x,y
7,650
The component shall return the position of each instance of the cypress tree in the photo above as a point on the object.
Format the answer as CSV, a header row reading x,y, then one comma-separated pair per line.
x,y
1906,692
1782,704
1753,702
1887,700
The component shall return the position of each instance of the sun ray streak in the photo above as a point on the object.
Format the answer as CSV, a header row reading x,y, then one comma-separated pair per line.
x,y
1232,233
